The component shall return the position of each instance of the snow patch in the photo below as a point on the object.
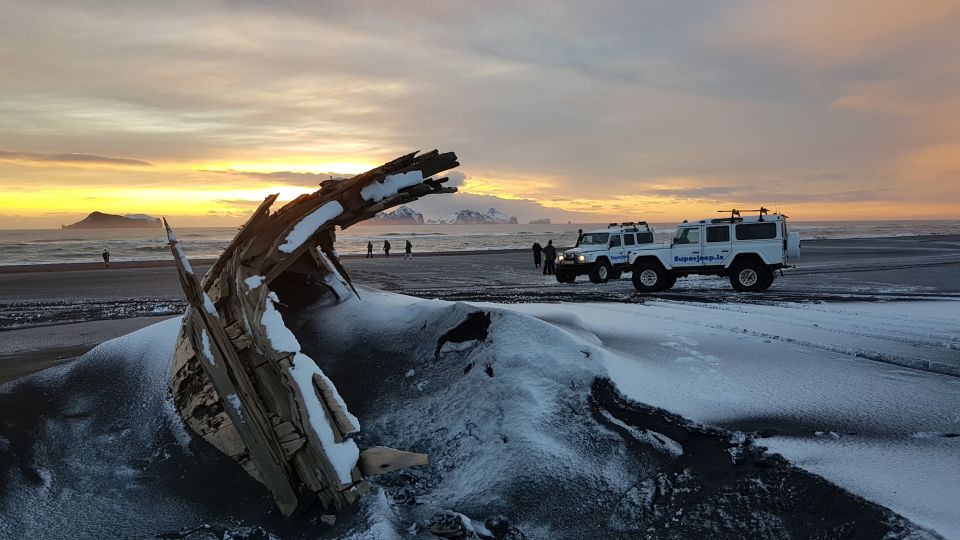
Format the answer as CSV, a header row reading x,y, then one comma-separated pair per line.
x,y
344,455
280,337
205,347
308,226
253,282
237,405
393,183
209,307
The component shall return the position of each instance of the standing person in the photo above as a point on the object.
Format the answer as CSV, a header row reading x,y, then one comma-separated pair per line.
x,y
369,249
549,259
537,254
106,258
409,250
579,237
386,248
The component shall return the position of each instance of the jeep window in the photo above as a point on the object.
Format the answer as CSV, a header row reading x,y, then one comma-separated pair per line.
x,y
615,240
718,234
756,231
645,238
628,239
594,238
687,236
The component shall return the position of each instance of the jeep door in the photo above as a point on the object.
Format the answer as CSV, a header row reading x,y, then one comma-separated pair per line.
x,y
617,252
716,245
686,249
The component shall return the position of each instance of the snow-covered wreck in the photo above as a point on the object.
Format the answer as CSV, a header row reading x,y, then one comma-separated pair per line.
x,y
239,378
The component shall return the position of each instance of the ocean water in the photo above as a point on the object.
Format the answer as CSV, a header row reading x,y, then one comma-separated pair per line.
x,y
35,246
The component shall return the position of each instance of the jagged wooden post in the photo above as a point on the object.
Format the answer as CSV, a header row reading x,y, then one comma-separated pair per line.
x,y
239,378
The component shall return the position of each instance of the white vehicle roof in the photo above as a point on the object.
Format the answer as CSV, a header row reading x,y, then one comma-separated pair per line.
x,y
761,217
628,226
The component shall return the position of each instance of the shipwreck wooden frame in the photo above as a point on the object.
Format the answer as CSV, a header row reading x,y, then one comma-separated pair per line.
x,y
254,396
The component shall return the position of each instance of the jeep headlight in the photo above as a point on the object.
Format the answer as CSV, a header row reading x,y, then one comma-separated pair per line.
x,y
581,258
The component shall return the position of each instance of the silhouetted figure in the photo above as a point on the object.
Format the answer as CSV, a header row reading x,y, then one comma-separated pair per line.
x,y
369,250
408,249
537,254
579,237
549,259
106,258
386,247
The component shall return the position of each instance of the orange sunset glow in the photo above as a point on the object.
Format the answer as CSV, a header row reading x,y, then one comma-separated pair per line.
x,y
828,111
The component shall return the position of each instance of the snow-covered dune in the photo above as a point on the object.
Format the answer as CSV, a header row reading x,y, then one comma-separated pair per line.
x,y
822,384
541,421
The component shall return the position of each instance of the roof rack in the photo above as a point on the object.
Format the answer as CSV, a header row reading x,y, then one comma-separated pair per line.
x,y
633,224
735,215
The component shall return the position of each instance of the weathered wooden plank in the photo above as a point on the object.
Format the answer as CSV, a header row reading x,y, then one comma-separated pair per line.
x,y
345,425
247,231
221,365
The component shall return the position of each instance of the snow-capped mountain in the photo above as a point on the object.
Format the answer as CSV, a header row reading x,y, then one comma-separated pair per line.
x,y
472,217
403,215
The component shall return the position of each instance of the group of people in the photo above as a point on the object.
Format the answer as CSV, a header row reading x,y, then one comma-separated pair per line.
x,y
408,249
548,255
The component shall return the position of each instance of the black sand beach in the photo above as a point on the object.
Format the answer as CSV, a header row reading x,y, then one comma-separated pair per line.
x,y
50,314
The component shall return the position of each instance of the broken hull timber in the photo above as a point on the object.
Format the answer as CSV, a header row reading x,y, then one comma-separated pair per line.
x,y
238,377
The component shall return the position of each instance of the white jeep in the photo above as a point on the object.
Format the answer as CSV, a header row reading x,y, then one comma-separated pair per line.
x,y
603,254
746,249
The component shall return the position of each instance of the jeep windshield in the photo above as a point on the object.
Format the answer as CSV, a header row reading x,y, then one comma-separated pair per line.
x,y
595,239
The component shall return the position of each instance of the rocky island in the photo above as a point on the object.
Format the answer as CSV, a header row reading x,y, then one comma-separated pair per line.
x,y
99,220
403,215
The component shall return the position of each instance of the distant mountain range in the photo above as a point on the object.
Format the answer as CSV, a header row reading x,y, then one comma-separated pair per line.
x,y
403,215
472,217
99,220
541,221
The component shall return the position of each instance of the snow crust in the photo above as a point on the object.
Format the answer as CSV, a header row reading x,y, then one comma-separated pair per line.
x,y
183,257
309,225
334,279
393,183
508,416
209,307
237,404
280,337
105,441
343,455
830,378
496,423
253,282
205,350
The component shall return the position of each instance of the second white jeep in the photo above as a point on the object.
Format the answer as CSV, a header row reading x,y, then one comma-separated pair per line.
x,y
603,254
748,250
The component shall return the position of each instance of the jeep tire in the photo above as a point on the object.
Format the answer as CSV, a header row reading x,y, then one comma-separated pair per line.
x,y
566,277
648,277
669,281
750,276
600,271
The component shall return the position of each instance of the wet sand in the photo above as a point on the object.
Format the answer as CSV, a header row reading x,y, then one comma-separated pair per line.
x,y
51,313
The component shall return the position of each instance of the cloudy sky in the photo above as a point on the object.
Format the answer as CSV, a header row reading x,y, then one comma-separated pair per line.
x,y
654,110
